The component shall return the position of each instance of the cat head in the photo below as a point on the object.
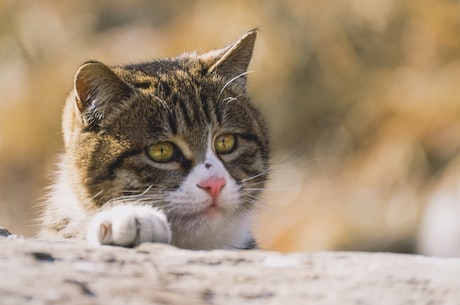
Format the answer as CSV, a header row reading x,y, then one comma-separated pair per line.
x,y
177,133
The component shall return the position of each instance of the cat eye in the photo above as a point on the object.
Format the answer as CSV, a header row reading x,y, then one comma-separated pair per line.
x,y
162,152
225,144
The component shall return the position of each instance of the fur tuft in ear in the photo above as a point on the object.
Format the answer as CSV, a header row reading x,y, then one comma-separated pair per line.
x,y
97,90
232,61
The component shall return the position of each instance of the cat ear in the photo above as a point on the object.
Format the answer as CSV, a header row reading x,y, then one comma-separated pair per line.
x,y
97,88
232,61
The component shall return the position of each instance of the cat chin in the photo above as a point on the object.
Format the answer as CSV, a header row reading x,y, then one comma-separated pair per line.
x,y
206,233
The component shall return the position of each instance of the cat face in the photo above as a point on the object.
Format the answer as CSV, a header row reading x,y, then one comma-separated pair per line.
x,y
178,134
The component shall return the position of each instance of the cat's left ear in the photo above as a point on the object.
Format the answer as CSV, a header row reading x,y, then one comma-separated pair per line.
x,y
232,61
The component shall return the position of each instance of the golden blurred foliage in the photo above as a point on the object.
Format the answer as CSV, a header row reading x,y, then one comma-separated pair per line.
x,y
362,98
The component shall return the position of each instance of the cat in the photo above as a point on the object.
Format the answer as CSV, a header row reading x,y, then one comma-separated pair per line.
x,y
169,151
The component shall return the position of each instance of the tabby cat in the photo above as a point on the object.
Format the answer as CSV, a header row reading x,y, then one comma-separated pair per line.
x,y
167,151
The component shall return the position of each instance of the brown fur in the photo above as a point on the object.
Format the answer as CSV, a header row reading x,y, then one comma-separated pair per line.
x,y
114,114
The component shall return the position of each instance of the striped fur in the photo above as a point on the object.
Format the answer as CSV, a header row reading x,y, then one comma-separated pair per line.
x,y
115,113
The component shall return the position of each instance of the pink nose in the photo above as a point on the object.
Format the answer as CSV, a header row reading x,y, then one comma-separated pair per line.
x,y
212,185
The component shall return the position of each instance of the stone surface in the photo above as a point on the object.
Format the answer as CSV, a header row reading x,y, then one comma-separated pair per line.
x,y
73,272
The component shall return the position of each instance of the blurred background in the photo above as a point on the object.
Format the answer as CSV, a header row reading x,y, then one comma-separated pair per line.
x,y
362,98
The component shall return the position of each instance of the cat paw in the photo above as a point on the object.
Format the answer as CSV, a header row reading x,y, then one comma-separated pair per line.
x,y
128,226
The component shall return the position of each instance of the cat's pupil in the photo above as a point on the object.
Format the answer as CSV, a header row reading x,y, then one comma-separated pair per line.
x,y
225,144
162,152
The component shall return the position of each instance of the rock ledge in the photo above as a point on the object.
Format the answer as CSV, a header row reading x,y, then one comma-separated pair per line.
x,y
73,272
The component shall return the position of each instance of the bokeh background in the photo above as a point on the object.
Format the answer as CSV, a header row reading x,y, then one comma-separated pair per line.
x,y
362,98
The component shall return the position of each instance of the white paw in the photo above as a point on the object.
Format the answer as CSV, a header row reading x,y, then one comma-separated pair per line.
x,y
128,226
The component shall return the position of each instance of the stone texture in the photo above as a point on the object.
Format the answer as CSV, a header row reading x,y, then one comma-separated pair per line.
x,y
73,272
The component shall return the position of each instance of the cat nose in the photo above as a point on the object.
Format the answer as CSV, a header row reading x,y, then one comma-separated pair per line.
x,y
212,185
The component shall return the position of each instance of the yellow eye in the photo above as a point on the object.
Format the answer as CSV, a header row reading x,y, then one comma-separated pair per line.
x,y
162,152
225,144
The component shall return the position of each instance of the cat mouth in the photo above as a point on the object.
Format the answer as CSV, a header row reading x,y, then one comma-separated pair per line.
x,y
214,204
211,208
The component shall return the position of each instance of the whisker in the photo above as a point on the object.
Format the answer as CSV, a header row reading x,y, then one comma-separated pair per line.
x,y
136,198
256,176
97,194
163,102
230,99
266,189
231,81
267,185
263,207
252,183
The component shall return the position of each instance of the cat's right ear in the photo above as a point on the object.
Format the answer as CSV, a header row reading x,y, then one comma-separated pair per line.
x,y
97,90
232,61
